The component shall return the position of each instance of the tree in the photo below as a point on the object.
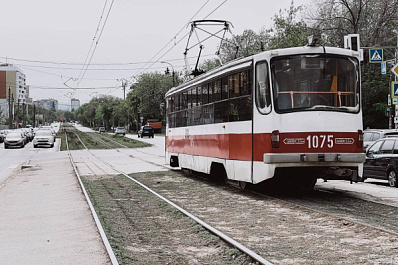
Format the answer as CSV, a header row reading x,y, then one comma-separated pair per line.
x,y
373,20
244,45
287,31
146,97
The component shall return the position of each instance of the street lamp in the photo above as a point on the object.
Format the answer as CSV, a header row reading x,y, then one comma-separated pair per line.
x,y
168,69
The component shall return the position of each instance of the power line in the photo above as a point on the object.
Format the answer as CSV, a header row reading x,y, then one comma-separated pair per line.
x,y
159,59
92,64
96,44
164,47
95,35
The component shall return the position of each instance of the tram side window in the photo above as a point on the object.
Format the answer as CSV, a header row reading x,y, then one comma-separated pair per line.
x,y
240,109
217,90
263,95
184,100
221,111
234,85
224,87
210,89
194,97
205,94
170,104
246,82
189,104
199,97
208,114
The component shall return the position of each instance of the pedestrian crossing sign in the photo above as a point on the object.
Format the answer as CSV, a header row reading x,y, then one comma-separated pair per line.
x,y
376,55
394,90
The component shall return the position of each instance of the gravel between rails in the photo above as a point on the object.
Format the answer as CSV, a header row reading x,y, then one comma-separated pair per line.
x,y
279,232
144,230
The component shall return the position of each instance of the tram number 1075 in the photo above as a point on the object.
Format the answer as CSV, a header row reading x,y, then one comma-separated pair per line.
x,y
319,141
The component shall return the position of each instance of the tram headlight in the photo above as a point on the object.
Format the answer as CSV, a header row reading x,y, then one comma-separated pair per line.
x,y
275,139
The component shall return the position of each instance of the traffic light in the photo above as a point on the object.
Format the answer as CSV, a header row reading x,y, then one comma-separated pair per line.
x,y
388,111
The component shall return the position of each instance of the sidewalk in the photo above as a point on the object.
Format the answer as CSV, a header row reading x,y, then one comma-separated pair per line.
x,y
45,218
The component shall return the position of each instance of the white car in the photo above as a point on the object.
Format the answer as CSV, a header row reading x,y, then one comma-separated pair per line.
x,y
120,130
14,138
43,137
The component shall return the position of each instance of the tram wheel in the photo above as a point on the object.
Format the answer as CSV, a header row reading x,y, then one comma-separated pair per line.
x,y
307,184
245,185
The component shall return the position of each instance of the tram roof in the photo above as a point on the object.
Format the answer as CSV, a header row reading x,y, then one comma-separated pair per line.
x,y
245,62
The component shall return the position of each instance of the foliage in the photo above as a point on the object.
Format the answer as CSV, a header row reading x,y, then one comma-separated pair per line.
x,y
287,32
247,44
146,97
373,20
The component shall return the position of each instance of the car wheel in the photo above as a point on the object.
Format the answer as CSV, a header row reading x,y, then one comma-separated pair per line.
x,y
392,178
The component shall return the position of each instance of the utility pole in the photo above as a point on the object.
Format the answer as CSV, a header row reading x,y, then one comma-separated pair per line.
x,y
34,115
17,113
124,84
24,115
10,103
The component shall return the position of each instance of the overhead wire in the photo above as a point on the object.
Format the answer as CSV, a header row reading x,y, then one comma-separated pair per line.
x,y
174,38
95,36
159,59
96,44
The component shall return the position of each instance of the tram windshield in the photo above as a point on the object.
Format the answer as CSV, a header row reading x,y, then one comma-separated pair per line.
x,y
315,82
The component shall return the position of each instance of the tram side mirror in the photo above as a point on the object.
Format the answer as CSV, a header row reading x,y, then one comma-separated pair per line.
x,y
312,63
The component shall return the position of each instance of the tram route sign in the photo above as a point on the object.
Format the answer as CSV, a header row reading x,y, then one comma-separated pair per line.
x,y
376,55
394,91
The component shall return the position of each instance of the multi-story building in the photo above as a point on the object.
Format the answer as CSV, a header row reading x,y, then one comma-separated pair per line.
x,y
12,80
75,104
47,103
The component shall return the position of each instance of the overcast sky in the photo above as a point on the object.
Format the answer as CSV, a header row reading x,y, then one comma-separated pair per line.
x,y
49,40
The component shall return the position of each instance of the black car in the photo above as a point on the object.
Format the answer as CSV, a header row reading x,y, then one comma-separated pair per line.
x,y
382,161
146,131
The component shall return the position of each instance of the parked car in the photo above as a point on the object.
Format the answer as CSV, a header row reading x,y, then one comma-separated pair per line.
x,y
372,135
14,138
2,135
25,135
101,129
382,161
146,131
43,137
120,130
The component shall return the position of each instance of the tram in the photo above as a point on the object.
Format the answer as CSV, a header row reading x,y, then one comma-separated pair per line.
x,y
290,114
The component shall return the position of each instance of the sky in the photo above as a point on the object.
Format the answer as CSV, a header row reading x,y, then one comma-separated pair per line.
x,y
86,48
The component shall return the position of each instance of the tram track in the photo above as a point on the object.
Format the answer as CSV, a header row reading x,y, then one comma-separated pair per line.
x,y
371,214
255,257
339,222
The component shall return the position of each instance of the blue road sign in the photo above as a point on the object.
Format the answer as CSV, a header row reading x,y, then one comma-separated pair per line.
x,y
394,90
384,68
375,55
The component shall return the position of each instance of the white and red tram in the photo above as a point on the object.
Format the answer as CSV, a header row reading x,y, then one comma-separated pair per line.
x,y
289,113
